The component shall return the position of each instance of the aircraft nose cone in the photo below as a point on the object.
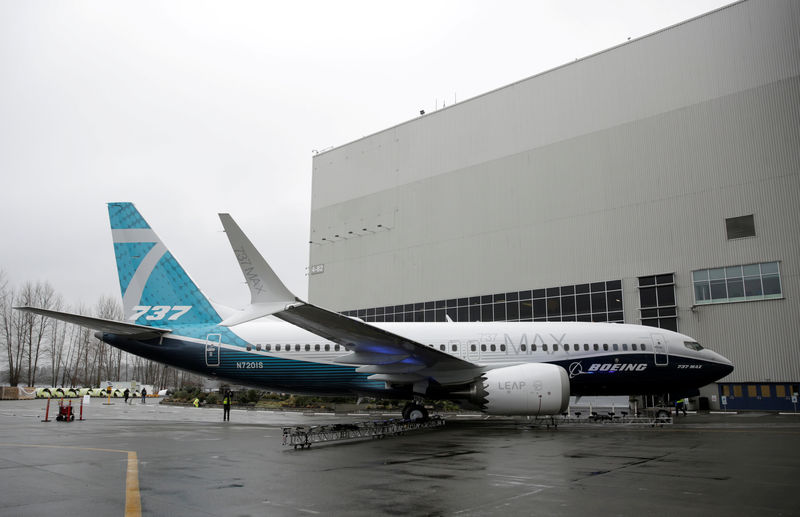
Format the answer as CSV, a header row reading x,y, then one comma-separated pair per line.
x,y
726,369
724,366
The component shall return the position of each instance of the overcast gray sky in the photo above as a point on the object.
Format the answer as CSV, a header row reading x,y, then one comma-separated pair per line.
x,y
190,108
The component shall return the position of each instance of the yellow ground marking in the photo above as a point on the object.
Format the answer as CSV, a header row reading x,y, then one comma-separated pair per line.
x,y
133,503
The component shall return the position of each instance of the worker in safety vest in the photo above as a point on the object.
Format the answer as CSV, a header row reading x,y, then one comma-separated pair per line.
x,y
226,407
196,402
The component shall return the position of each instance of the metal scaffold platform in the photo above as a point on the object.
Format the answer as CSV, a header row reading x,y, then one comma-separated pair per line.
x,y
303,436
611,420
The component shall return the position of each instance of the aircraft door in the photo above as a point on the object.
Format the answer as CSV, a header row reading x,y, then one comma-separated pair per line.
x,y
212,349
660,350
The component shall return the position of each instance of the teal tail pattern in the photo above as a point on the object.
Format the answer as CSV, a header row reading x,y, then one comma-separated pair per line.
x,y
156,291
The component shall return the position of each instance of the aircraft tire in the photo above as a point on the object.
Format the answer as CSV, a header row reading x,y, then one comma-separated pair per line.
x,y
415,412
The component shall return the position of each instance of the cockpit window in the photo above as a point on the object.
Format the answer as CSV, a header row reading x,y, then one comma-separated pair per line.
x,y
692,345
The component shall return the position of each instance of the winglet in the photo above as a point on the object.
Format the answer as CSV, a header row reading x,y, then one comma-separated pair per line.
x,y
268,294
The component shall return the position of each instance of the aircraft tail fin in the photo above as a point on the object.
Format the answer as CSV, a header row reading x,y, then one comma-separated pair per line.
x,y
156,291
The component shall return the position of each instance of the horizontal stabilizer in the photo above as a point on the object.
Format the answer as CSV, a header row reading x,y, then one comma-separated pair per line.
x,y
103,325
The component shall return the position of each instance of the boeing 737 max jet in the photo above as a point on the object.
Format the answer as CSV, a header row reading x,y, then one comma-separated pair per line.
x,y
283,344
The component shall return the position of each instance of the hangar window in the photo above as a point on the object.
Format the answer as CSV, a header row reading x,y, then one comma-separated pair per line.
x,y
657,306
598,301
740,227
748,282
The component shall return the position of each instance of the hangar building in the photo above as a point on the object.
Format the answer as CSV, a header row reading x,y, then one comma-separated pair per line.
x,y
655,182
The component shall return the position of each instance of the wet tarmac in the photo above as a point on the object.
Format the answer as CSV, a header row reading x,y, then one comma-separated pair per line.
x,y
169,460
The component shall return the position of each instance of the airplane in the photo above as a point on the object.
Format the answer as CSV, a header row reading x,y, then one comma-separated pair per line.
x,y
284,344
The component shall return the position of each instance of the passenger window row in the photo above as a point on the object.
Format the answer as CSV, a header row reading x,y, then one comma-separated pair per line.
x,y
635,347
327,347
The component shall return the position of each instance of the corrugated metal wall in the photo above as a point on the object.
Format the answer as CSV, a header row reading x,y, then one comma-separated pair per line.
x,y
620,165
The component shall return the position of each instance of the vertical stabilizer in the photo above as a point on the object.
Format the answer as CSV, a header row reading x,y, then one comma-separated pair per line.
x,y
156,291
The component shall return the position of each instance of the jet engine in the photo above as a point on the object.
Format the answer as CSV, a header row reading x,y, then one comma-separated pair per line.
x,y
524,389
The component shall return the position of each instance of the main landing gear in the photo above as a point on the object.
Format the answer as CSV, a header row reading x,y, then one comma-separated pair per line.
x,y
415,412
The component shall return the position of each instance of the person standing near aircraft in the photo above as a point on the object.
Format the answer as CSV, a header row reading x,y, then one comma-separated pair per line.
x,y
226,407
126,394
144,394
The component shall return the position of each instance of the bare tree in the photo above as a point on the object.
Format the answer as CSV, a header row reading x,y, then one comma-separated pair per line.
x,y
11,323
35,326
58,335
110,359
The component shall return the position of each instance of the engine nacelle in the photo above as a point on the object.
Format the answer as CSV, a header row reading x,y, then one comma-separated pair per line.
x,y
524,389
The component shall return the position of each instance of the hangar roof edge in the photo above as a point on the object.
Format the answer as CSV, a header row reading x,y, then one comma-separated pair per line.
x,y
544,72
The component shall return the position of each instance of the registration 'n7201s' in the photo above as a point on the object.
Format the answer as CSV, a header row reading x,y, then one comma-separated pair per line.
x,y
249,364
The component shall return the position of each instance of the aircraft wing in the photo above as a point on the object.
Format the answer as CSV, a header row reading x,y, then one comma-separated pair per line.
x,y
109,326
387,356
